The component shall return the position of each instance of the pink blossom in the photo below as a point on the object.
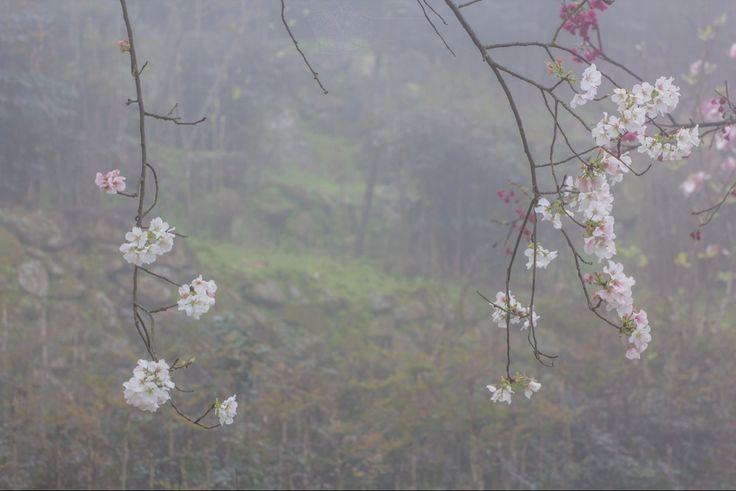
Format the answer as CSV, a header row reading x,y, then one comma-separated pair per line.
x,y
693,183
695,68
725,137
711,110
633,354
732,52
630,136
111,182
729,165
640,318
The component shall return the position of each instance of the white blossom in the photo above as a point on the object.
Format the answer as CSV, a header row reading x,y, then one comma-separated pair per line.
x,y
515,312
500,395
196,298
532,387
550,211
544,256
616,167
226,410
616,291
149,387
144,245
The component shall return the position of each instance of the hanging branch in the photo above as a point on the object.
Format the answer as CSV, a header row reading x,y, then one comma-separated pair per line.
x,y
144,318
434,27
587,157
296,45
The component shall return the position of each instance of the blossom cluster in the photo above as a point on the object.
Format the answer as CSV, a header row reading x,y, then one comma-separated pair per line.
x,y
615,288
615,291
589,83
725,137
197,297
517,313
634,108
110,182
148,388
551,212
590,192
578,19
670,146
544,256
636,326
145,244
226,410
714,110
505,389
694,182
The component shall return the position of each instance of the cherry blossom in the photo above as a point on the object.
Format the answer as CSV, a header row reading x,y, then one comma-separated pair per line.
x,y
616,288
197,297
589,83
149,387
636,325
729,165
599,238
670,147
550,211
532,387
544,257
616,167
111,182
226,410
516,312
504,390
693,183
144,245
725,137
712,110
632,353
501,395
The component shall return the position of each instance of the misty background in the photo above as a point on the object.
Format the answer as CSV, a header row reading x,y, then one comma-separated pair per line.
x,y
347,234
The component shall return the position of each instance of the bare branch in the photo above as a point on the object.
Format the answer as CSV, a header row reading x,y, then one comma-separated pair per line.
x,y
436,31
296,45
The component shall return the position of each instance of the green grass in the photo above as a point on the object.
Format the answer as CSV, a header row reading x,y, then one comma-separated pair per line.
x,y
351,279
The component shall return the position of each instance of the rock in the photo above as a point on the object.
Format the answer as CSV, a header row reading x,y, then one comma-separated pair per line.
x,y
52,266
267,293
379,302
37,229
66,287
33,278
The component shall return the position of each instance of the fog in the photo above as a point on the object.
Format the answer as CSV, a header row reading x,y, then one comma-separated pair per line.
x,y
348,234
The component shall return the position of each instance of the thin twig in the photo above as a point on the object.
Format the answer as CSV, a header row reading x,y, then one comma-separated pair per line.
x,y
296,45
